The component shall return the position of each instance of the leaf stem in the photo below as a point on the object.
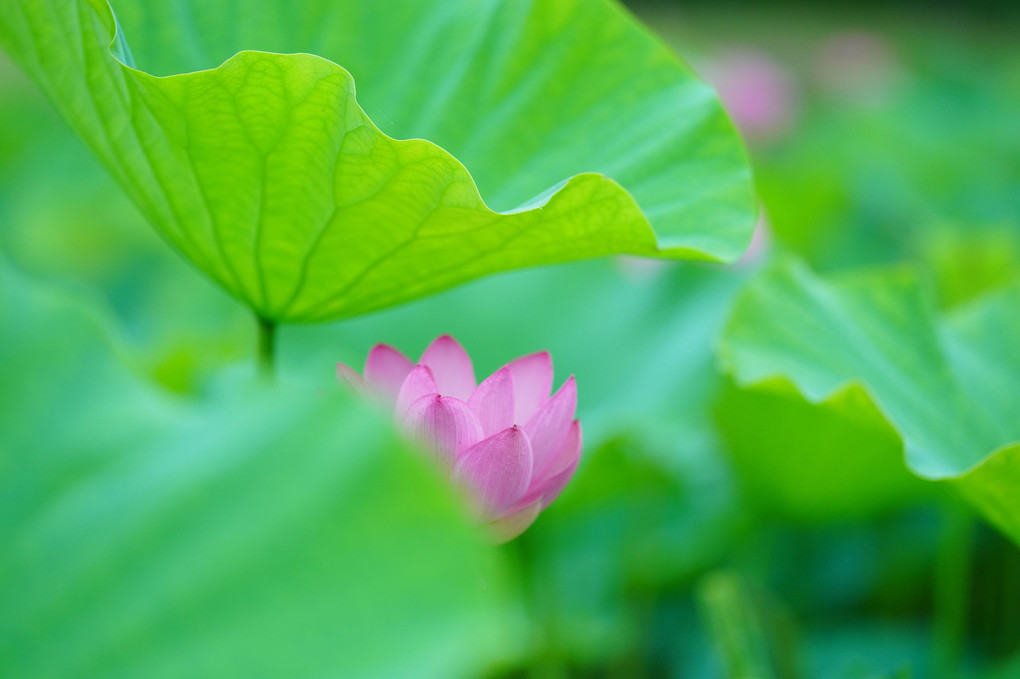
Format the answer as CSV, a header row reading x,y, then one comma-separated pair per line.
x,y
266,350
545,662
952,573
735,626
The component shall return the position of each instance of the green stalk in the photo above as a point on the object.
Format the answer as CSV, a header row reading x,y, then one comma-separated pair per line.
x,y
266,350
952,574
544,662
735,627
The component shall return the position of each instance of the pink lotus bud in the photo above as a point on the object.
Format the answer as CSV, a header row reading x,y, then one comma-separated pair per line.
x,y
510,444
759,92
859,68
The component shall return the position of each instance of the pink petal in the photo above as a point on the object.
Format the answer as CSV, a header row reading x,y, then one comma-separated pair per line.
x,y
569,451
418,383
493,402
549,426
386,369
533,376
445,424
451,366
555,484
548,486
497,470
542,491
509,526
356,382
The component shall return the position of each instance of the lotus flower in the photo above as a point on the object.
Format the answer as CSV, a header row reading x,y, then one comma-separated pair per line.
x,y
860,68
757,90
510,444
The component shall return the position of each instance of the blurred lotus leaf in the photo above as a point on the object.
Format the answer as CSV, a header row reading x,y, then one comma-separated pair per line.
x,y
860,473
870,345
269,176
275,534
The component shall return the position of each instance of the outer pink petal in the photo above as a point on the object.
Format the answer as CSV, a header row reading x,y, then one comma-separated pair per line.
x,y
568,454
509,526
418,383
542,491
533,376
497,470
548,486
555,484
549,426
445,424
386,369
493,402
451,366
356,382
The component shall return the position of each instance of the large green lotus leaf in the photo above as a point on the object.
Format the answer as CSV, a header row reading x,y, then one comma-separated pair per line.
x,y
833,460
946,385
269,534
271,178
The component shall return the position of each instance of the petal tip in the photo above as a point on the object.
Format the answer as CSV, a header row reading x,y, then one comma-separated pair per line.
x,y
451,366
444,339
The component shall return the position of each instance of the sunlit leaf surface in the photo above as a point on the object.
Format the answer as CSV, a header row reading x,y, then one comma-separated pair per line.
x,y
269,176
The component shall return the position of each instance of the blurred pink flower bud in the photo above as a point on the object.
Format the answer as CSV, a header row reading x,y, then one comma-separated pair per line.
x,y
758,92
510,444
858,67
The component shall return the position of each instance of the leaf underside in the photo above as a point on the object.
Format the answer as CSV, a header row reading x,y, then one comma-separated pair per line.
x,y
268,175
945,384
